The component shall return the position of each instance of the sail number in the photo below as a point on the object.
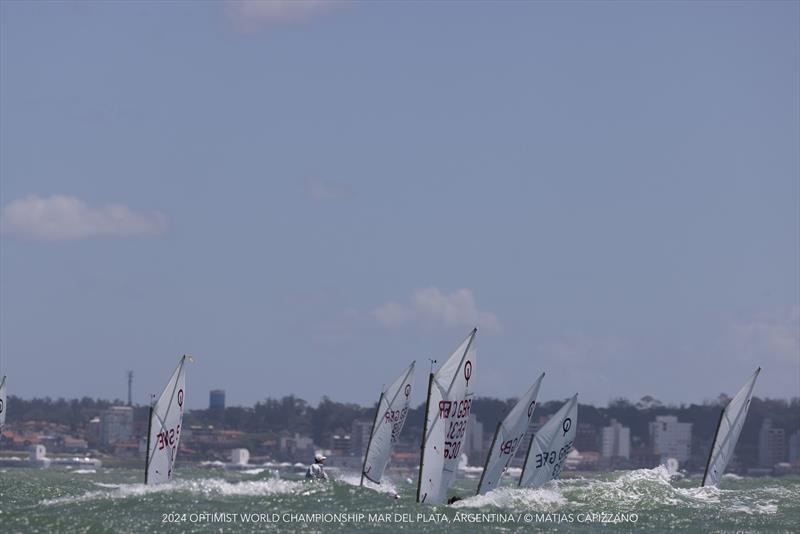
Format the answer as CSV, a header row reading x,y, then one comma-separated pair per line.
x,y
458,412
396,418
510,446
554,458
167,437
457,409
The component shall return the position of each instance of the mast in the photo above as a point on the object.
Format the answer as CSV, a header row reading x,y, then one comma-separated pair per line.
x,y
713,442
371,433
424,436
525,463
488,457
147,453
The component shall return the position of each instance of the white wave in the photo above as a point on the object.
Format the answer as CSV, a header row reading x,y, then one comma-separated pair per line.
x,y
732,476
757,508
85,471
207,486
386,485
545,498
256,471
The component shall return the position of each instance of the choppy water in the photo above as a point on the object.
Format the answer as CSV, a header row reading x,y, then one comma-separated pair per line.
x,y
114,500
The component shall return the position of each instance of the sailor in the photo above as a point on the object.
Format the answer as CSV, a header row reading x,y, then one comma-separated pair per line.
x,y
316,470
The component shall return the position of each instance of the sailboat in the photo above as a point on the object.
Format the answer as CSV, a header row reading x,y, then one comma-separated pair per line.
x,y
164,431
2,403
549,446
508,437
446,417
729,427
390,416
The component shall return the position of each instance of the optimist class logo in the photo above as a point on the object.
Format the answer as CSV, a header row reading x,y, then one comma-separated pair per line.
x,y
566,425
180,397
468,370
407,390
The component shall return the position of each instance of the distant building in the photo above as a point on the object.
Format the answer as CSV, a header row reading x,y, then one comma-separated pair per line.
x,y
794,448
340,444
359,437
771,444
472,444
586,437
216,400
116,425
671,438
297,448
616,441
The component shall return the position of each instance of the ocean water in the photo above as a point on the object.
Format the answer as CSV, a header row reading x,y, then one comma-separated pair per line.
x,y
213,500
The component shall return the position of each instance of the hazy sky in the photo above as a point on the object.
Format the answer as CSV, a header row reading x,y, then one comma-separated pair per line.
x,y
307,196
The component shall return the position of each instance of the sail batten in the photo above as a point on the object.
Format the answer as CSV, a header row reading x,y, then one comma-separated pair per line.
x,y
390,416
508,438
164,430
729,427
550,446
446,417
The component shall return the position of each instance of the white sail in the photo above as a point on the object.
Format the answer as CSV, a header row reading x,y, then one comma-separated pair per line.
x,y
508,437
550,446
730,425
446,417
389,420
2,403
163,435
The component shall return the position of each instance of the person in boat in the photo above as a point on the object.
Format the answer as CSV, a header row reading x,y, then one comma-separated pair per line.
x,y
454,499
316,471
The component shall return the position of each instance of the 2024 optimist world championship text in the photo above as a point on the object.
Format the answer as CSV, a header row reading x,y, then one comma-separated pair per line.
x,y
396,517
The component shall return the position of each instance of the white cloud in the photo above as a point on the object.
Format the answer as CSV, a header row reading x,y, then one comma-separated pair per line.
x,y
61,217
248,15
321,191
430,306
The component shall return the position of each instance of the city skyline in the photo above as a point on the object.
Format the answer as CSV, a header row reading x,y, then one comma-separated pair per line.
x,y
308,199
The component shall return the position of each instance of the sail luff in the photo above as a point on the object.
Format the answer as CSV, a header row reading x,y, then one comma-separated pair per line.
x,y
371,433
488,457
711,449
424,434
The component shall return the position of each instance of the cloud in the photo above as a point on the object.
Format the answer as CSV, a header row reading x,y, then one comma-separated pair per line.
x,y
430,306
322,191
249,15
62,218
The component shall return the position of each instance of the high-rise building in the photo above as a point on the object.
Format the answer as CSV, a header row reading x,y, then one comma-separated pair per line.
x,y
472,445
671,438
585,437
771,444
794,447
216,400
616,441
359,437
116,425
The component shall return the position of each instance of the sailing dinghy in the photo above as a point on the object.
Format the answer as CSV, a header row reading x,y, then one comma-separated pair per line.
x,y
390,416
729,427
446,418
508,437
164,431
549,446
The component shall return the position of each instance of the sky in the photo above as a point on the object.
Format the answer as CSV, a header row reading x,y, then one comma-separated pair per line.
x,y
306,196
